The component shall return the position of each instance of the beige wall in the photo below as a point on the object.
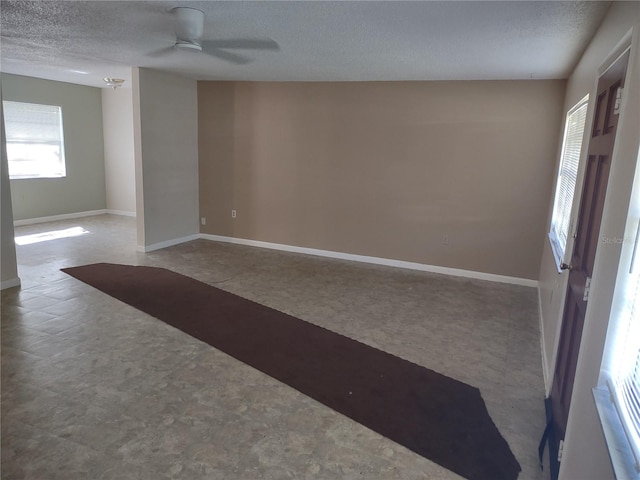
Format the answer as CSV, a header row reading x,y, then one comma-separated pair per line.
x,y
119,162
585,453
384,169
8,265
166,157
83,189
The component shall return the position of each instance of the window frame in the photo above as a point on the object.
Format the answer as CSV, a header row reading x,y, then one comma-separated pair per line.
x,y
620,369
575,149
57,142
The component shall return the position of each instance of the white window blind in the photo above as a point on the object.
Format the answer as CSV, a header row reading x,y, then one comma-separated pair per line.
x,y
35,140
624,382
565,188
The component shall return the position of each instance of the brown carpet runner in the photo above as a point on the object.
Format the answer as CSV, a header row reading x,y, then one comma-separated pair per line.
x,y
436,416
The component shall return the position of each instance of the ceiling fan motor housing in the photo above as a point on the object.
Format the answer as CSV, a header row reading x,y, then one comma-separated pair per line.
x,y
189,26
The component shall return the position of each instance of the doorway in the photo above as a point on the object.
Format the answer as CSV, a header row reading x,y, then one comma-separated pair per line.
x,y
601,143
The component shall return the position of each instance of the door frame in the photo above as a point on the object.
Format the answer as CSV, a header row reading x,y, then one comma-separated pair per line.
x,y
603,277
620,49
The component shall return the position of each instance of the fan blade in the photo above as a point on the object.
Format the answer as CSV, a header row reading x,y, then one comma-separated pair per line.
x,y
242,44
161,52
227,56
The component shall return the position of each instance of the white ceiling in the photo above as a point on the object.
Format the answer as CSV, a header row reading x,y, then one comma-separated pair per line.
x,y
84,41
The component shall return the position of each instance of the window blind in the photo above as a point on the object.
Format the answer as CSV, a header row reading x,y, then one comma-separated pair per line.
x,y
35,140
567,175
624,382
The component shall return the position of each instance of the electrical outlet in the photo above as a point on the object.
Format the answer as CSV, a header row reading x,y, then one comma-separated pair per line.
x,y
203,220
233,214
445,239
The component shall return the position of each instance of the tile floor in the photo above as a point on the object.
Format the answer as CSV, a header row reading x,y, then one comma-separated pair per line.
x,y
94,389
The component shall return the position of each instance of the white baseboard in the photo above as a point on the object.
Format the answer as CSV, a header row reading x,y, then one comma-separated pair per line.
x,y
55,218
122,213
13,282
546,375
167,243
375,260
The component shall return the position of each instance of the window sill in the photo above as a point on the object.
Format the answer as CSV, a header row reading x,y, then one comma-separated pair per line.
x,y
619,449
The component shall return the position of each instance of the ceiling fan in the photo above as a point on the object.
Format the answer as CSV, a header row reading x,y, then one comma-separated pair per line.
x,y
189,28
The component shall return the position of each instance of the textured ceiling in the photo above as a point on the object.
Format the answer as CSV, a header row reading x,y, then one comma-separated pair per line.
x,y
81,42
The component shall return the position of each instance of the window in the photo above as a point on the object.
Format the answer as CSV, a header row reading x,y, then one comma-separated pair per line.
x,y
565,188
624,370
35,142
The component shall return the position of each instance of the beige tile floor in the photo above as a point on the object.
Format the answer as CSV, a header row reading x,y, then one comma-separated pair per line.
x,y
94,389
